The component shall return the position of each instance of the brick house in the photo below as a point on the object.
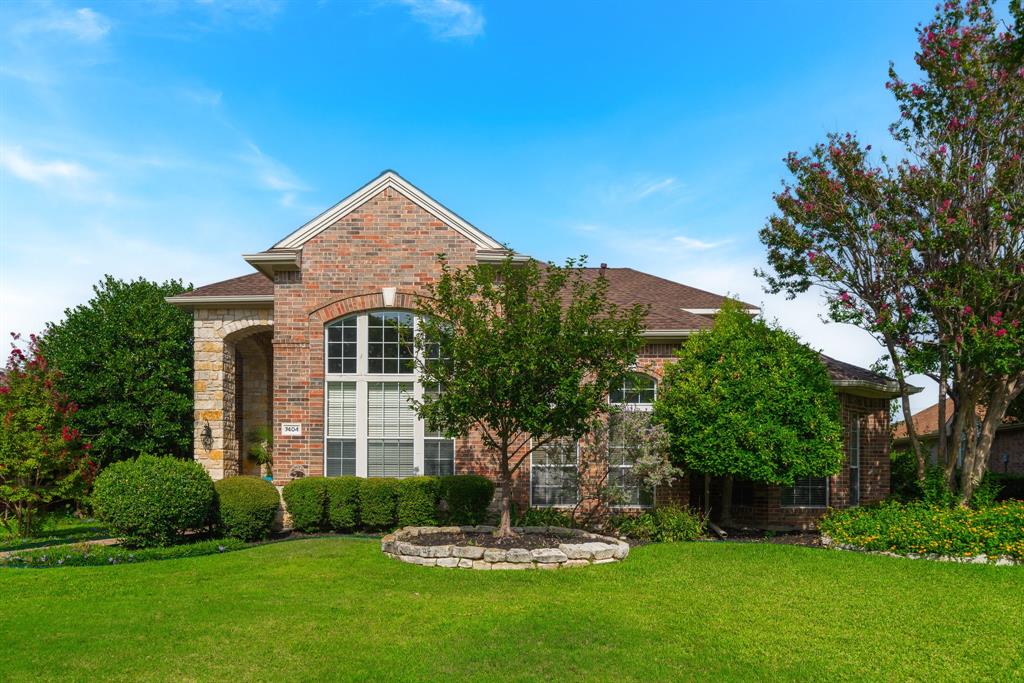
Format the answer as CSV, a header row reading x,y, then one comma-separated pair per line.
x,y
1005,457
309,345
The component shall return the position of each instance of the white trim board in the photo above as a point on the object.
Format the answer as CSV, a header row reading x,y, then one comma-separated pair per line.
x,y
386,180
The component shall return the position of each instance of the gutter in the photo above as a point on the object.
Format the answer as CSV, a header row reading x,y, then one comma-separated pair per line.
x,y
250,300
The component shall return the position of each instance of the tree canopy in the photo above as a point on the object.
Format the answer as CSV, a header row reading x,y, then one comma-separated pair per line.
x,y
927,254
749,400
125,359
523,353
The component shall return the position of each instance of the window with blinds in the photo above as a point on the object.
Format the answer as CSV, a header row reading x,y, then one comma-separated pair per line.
x,y
390,422
854,458
811,492
553,475
341,429
620,466
438,451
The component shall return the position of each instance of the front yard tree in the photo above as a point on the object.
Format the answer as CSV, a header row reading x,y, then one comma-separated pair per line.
x,y
125,358
928,255
42,458
748,400
523,354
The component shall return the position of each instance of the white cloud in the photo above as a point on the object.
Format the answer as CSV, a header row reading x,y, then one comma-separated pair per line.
x,y
696,244
654,187
82,24
273,175
14,160
447,18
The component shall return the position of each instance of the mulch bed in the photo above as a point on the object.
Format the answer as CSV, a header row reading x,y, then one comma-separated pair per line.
x,y
487,540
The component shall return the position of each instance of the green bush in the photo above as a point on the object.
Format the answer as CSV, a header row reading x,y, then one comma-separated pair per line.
x,y
467,497
543,517
920,528
935,491
903,484
417,501
343,502
153,501
74,555
247,507
306,501
664,524
378,503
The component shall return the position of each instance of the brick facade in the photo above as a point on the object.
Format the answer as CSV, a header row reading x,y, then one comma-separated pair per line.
x,y
266,364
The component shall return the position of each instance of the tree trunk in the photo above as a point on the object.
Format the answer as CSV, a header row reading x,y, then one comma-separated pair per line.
x,y
505,502
994,413
940,456
725,513
707,496
901,379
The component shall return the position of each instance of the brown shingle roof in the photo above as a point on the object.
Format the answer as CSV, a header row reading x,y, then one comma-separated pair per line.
x,y
838,370
253,284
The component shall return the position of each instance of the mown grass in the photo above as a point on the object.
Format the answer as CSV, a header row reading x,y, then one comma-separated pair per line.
x,y
335,608
56,530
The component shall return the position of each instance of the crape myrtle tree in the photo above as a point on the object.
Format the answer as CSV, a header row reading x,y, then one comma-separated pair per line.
x,y
125,359
927,254
521,354
43,459
749,400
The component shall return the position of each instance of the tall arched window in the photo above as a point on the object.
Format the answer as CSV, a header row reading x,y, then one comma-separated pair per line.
x,y
634,392
372,430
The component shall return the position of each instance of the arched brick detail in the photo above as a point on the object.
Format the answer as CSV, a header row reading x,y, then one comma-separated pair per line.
x,y
364,302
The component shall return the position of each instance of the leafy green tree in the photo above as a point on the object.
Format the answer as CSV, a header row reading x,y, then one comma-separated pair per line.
x,y
125,358
745,399
42,458
523,354
927,255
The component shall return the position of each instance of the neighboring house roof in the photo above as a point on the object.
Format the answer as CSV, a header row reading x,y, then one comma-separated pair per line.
x,y
926,422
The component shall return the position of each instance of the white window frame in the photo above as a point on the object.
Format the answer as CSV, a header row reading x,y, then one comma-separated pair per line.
x,y
639,407
562,506
362,378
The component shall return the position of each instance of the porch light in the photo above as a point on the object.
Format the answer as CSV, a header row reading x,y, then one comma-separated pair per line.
x,y
207,437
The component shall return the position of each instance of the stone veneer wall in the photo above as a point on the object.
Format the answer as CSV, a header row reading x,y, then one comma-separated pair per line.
x,y
217,331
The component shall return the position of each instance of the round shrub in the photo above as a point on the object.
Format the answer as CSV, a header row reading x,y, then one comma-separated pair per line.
x,y
664,524
378,503
417,501
343,503
467,497
247,507
306,502
152,501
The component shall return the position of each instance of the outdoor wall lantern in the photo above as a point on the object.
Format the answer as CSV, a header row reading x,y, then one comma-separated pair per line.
x,y
207,437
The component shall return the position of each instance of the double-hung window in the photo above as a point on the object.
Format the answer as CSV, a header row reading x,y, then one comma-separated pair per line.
x,y
372,429
554,474
633,393
807,492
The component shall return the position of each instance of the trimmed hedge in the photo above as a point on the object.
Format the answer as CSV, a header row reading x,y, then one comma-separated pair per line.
x,y
467,496
343,502
378,503
417,501
306,500
152,501
919,528
247,507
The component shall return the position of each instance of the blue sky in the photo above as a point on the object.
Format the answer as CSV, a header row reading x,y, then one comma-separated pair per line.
x,y
165,138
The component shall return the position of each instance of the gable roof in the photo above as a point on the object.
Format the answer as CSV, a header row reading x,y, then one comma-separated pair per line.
x,y
388,179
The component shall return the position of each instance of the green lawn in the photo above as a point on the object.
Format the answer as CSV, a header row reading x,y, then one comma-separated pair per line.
x,y
336,608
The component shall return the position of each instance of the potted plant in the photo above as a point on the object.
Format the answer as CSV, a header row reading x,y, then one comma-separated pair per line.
x,y
261,450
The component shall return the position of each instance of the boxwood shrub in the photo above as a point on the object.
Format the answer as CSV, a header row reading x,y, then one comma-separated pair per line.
x,y
152,501
919,528
378,503
467,497
247,507
343,503
306,501
417,501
